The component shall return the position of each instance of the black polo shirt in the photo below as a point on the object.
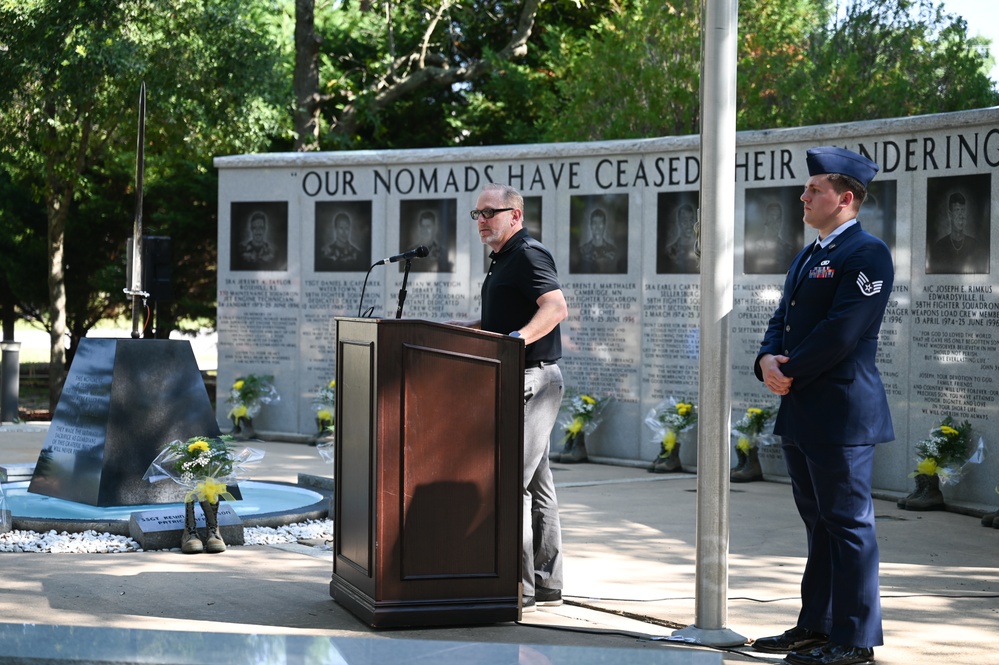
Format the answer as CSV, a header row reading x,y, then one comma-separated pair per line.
x,y
520,273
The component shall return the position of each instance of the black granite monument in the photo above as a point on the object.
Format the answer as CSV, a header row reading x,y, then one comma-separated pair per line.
x,y
123,400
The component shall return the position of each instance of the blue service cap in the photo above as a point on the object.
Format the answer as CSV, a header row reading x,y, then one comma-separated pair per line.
x,y
829,159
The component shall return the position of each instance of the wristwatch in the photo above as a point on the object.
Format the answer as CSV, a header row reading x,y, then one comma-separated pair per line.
x,y
516,333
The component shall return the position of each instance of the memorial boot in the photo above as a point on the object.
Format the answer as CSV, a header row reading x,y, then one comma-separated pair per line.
x,y
914,494
741,456
246,431
576,452
190,541
214,543
668,463
556,455
930,498
750,470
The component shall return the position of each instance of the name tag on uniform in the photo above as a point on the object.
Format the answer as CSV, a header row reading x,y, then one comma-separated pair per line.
x,y
821,272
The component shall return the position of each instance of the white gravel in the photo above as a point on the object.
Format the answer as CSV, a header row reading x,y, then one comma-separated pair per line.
x,y
91,542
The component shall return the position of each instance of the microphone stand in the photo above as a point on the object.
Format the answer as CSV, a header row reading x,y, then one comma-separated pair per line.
x,y
402,291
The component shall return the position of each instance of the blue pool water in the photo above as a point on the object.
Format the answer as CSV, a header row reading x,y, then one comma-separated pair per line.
x,y
258,498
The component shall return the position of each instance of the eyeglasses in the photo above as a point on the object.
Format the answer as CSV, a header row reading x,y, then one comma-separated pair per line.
x,y
488,213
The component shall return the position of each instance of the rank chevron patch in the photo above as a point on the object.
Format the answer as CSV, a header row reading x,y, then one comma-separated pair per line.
x,y
867,287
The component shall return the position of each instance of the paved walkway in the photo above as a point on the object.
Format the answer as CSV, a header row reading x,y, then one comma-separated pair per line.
x,y
630,548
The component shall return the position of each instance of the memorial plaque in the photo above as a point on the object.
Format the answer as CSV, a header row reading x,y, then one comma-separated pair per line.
x,y
670,365
621,219
161,529
603,324
122,401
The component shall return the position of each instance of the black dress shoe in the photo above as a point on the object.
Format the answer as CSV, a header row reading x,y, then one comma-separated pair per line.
x,y
832,654
528,604
795,639
547,597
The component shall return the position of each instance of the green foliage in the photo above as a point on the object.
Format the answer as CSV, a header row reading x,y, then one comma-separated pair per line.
x,y
636,72
891,58
70,74
773,42
385,69
635,75
23,243
219,75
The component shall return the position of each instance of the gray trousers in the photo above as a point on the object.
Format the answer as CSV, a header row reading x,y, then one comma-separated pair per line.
x,y
543,390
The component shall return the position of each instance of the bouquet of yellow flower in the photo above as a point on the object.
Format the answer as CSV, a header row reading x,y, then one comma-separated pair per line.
x,y
204,465
247,395
325,408
946,451
668,420
671,415
749,429
582,415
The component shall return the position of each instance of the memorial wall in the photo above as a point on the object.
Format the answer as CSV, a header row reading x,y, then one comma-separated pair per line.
x,y
298,232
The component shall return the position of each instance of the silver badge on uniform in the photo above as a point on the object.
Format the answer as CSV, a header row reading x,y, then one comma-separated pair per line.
x,y
867,287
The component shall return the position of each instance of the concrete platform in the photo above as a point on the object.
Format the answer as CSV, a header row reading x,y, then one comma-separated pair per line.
x,y
630,554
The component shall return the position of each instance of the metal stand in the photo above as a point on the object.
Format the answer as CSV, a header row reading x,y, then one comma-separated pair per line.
x,y
402,291
10,376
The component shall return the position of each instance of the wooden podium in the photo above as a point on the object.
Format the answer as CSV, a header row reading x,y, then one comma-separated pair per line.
x,y
429,452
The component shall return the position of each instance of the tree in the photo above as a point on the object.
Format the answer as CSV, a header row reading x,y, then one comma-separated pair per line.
x,y
890,58
23,248
773,43
306,76
637,73
409,74
69,78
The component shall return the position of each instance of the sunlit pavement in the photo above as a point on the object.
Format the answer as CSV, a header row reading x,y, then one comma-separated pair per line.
x,y
630,546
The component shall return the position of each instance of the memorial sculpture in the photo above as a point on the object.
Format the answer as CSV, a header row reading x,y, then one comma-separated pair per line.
x,y
749,435
122,398
205,466
582,417
670,420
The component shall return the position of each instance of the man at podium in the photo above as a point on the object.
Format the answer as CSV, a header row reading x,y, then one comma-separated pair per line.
x,y
522,297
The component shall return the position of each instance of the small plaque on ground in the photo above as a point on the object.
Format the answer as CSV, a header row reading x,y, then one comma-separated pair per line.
x,y
161,529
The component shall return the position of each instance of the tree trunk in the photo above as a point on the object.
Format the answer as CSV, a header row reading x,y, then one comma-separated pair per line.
x,y
57,212
306,76
62,172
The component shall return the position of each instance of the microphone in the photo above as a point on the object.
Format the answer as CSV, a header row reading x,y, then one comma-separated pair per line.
x,y
420,252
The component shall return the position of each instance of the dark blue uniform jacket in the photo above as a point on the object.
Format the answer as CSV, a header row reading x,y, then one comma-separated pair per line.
x,y
827,323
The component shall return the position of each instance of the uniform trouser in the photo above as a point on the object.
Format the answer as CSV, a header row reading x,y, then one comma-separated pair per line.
x,y
542,537
840,595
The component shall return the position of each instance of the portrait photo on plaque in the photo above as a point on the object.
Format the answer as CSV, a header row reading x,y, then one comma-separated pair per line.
x,y
958,224
342,236
677,233
258,235
879,213
774,230
598,230
532,222
433,224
